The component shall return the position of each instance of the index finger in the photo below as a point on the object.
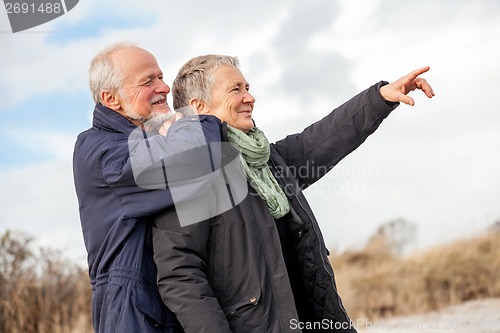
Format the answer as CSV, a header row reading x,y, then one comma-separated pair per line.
x,y
413,75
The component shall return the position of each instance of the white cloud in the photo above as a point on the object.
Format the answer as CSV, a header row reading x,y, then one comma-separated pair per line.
x,y
54,145
41,201
437,161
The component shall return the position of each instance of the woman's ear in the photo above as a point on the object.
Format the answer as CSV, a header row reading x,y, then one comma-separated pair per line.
x,y
110,100
198,106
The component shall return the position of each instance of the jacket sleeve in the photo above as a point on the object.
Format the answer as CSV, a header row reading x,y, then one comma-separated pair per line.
x,y
138,169
181,254
315,151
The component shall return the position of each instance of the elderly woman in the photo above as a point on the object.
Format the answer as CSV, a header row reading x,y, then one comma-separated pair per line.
x,y
262,266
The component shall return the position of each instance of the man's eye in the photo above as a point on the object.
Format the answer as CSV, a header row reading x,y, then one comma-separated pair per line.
x,y
236,89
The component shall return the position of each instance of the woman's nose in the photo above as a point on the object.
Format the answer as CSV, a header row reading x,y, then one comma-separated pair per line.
x,y
249,98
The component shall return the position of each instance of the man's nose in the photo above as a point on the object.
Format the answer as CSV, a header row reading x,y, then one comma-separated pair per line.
x,y
162,88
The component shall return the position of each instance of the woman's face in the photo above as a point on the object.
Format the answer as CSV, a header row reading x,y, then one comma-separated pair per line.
x,y
231,102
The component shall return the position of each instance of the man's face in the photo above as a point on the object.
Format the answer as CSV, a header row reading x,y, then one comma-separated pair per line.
x,y
231,102
144,94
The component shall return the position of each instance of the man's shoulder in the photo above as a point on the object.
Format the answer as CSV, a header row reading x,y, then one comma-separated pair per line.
x,y
94,142
95,134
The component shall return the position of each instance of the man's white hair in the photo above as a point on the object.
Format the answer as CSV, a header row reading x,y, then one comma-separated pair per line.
x,y
103,75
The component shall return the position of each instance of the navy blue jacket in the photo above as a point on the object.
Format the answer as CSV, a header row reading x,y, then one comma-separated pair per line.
x,y
116,220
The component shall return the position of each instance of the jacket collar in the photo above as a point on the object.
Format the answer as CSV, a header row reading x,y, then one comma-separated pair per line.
x,y
224,137
109,120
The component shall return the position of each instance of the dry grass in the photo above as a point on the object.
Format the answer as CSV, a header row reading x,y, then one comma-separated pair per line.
x,y
43,293
376,283
40,292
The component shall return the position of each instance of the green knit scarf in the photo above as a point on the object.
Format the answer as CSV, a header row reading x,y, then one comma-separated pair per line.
x,y
255,152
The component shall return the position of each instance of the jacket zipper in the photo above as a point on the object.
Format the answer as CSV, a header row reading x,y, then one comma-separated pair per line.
x,y
321,248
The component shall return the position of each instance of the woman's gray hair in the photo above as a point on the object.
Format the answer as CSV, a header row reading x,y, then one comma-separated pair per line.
x,y
195,79
103,75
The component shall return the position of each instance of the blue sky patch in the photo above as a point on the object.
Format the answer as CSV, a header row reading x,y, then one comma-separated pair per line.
x,y
16,154
60,113
96,26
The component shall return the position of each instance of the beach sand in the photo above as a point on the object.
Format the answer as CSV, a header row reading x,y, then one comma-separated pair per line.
x,y
481,316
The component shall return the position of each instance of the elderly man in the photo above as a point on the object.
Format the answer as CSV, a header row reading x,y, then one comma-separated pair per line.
x,y
129,92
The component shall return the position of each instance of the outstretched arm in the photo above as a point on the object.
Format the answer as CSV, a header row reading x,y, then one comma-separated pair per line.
x,y
397,91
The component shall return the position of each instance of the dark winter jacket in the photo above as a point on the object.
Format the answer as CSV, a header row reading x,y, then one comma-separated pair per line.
x,y
243,271
116,222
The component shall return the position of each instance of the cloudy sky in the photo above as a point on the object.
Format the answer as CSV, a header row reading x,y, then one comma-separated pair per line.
x,y
435,164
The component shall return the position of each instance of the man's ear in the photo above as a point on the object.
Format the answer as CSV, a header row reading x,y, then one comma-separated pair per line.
x,y
198,106
110,100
